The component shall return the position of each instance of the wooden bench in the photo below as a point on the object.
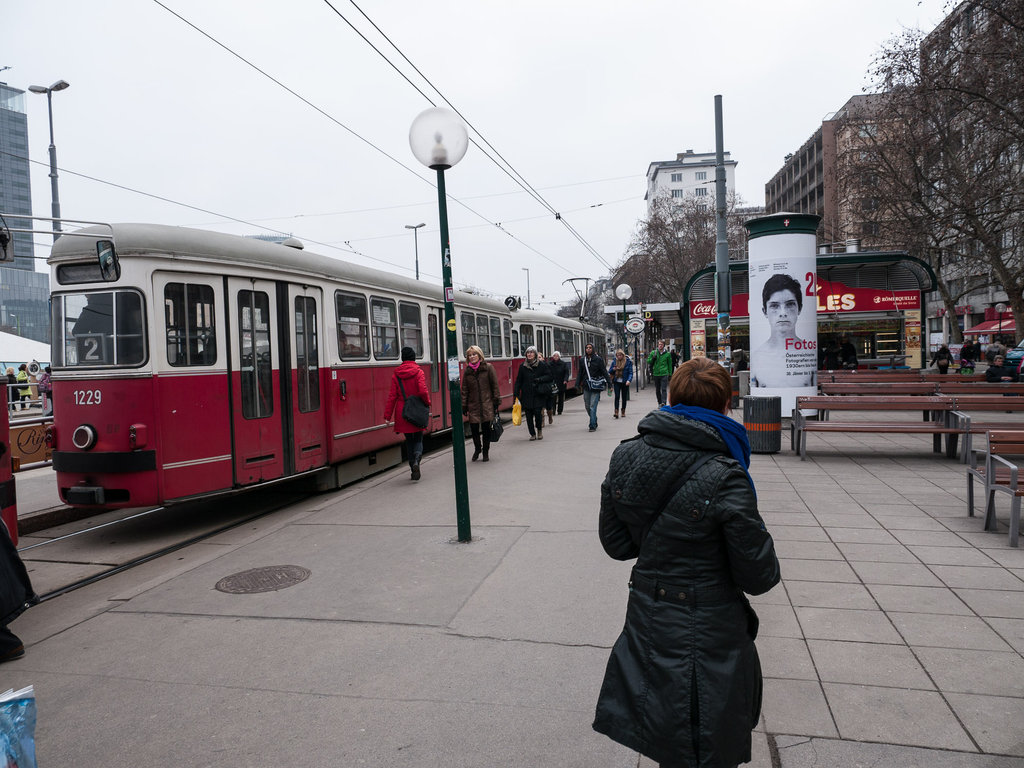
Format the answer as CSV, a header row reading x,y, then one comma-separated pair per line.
x,y
998,472
932,405
923,388
961,416
840,377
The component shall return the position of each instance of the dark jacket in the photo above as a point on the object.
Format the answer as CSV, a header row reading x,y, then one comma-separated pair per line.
x,y
415,383
597,369
559,372
688,640
533,385
481,397
16,593
997,372
942,358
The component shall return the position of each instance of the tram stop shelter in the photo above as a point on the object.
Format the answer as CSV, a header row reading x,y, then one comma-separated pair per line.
x,y
873,298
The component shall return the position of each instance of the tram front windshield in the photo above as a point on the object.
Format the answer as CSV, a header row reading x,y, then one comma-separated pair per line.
x,y
99,329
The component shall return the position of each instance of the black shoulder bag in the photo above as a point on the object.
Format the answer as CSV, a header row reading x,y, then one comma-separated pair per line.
x,y
414,410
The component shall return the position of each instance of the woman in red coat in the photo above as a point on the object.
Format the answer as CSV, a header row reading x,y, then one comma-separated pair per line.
x,y
414,383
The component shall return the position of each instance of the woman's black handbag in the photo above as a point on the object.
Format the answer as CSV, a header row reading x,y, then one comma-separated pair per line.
x,y
496,429
414,410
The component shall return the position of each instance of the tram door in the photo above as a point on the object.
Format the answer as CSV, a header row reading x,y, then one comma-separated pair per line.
x,y
256,361
308,427
438,378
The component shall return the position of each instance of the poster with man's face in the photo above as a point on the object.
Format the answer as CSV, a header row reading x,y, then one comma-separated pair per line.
x,y
783,317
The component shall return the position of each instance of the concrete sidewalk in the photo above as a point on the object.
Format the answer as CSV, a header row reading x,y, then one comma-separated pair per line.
x,y
895,639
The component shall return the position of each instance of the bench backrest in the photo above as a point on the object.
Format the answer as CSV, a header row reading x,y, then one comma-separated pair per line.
x,y
877,387
979,387
1008,442
878,402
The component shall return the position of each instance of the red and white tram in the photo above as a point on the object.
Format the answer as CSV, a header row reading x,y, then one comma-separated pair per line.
x,y
188,363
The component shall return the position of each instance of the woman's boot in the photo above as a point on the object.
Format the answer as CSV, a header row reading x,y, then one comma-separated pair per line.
x,y
476,447
623,410
616,414
487,447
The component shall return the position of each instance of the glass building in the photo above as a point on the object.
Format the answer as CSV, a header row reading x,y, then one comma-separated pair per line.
x,y
24,293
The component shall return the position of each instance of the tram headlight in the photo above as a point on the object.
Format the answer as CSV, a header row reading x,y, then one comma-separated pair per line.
x,y
50,436
84,437
137,436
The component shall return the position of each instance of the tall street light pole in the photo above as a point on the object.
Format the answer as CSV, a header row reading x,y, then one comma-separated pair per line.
x,y
439,140
527,271
416,244
60,85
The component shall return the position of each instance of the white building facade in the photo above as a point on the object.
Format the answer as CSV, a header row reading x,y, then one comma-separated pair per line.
x,y
690,174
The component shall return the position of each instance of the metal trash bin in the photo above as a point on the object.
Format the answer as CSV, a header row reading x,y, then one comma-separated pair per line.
x,y
762,416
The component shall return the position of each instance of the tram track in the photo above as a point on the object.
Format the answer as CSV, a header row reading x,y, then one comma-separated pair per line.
x,y
90,547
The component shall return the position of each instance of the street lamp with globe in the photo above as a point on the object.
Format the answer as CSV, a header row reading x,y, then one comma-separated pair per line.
x,y
439,140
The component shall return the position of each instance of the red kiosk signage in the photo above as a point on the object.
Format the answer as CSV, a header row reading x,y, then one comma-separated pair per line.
x,y
832,297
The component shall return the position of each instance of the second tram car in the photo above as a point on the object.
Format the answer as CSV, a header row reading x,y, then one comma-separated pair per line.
x,y
188,363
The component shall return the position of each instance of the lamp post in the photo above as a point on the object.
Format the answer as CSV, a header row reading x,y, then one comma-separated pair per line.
x,y
623,292
416,244
439,140
60,85
527,271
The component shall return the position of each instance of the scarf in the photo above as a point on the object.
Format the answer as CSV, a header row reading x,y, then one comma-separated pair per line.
x,y
473,366
619,368
534,364
732,433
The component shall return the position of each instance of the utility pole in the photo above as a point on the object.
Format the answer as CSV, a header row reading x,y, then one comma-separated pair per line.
x,y
723,287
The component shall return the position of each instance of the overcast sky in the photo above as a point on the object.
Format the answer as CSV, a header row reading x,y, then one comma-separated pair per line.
x,y
578,97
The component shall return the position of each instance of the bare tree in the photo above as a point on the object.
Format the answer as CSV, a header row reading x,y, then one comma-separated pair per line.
x,y
936,162
676,240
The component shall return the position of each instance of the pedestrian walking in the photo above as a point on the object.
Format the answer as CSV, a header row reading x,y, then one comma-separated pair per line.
x,y
560,377
46,391
533,387
942,359
481,400
592,380
408,381
660,364
12,387
683,683
24,390
16,594
622,375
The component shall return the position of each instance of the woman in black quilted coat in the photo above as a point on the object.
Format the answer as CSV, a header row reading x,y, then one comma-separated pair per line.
x,y
683,684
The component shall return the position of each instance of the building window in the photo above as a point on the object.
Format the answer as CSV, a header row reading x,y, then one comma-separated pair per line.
x,y
677,177
677,193
702,175
701,191
870,228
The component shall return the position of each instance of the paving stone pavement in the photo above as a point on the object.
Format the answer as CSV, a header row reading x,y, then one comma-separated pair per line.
x,y
896,637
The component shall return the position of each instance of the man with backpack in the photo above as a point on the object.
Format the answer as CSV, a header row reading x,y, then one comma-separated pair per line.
x,y
660,365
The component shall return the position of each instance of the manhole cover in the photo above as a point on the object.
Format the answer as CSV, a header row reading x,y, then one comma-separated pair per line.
x,y
267,579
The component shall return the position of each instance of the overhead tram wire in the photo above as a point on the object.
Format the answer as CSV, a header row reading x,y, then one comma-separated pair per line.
x,y
351,131
507,168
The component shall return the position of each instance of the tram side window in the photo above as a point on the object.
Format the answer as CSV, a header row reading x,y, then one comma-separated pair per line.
x,y
495,336
506,326
385,328
515,343
307,354
98,329
468,330
353,327
412,326
564,341
256,366
188,318
483,338
526,336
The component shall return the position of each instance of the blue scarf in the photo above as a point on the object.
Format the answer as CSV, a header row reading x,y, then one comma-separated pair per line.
x,y
732,432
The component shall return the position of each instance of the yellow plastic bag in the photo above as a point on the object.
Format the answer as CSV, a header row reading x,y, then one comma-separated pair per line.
x,y
517,414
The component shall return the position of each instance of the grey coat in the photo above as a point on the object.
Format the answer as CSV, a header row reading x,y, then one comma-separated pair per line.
x,y
683,683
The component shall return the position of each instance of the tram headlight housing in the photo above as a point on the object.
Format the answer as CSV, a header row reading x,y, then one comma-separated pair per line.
x,y
137,436
84,437
50,436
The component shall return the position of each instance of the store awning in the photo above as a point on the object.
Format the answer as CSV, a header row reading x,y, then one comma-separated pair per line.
x,y
993,326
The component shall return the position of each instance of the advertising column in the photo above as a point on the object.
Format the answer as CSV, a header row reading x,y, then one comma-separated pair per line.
x,y
783,307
